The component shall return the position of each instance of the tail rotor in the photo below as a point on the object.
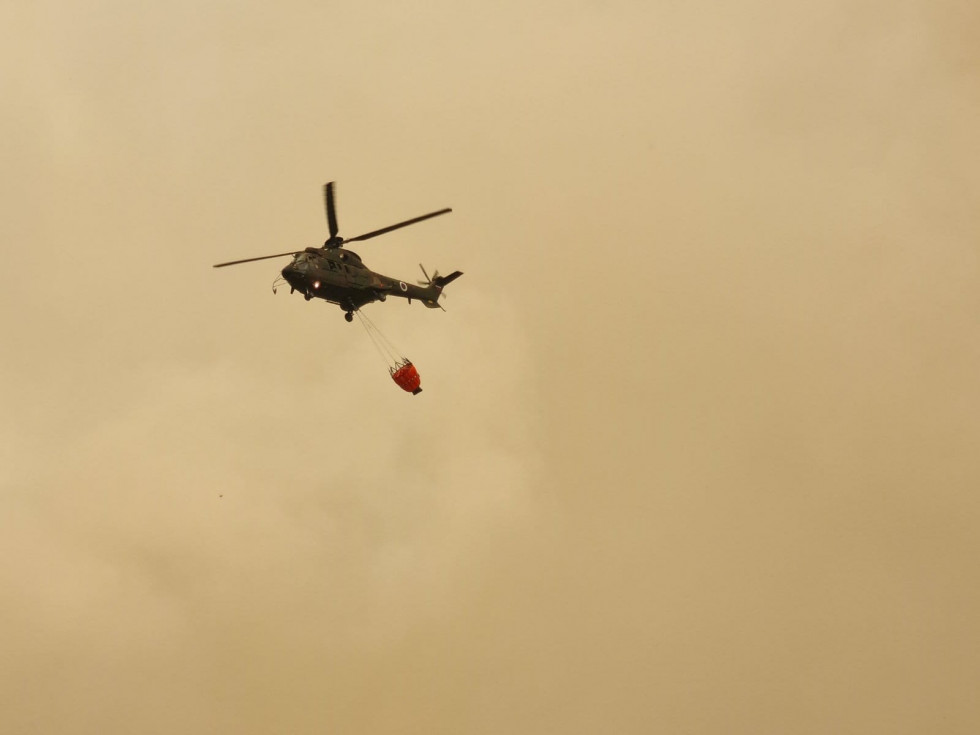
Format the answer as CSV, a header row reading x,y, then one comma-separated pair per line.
x,y
437,283
428,281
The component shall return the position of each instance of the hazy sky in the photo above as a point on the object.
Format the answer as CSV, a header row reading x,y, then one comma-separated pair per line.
x,y
697,447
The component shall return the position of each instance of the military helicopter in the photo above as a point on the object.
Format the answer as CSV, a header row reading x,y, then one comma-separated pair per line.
x,y
337,275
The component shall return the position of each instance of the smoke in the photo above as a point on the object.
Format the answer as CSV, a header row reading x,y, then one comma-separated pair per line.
x,y
694,448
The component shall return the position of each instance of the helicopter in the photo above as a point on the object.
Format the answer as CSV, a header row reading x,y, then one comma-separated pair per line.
x,y
338,275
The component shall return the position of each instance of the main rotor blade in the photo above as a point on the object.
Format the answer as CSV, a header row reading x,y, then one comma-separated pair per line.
x,y
331,209
406,223
249,260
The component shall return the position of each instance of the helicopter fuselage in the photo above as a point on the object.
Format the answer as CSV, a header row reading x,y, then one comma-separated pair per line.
x,y
338,276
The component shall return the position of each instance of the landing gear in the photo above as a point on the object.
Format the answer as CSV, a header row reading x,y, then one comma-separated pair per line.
x,y
307,296
349,316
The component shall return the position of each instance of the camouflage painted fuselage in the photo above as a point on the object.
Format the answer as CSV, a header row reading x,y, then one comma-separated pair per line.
x,y
337,275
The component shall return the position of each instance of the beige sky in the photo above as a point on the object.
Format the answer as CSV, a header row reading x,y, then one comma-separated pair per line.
x,y
697,451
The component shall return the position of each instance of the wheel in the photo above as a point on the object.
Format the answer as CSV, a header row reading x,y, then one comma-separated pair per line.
x,y
349,316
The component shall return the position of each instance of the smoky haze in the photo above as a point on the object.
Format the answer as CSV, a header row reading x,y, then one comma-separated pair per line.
x,y
696,450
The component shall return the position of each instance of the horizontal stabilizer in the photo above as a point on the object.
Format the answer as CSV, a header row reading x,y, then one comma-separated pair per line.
x,y
443,281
